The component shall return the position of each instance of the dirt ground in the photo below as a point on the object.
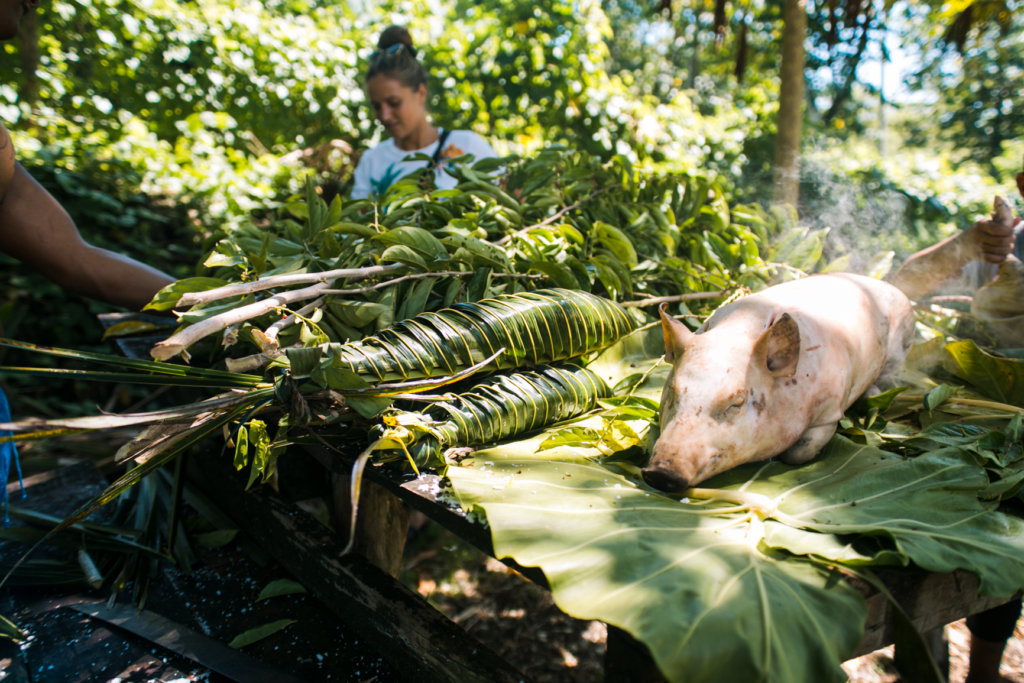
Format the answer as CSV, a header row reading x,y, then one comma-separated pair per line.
x,y
218,600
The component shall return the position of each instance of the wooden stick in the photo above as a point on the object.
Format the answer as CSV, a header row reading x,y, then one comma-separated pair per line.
x,y
180,341
241,288
691,296
420,276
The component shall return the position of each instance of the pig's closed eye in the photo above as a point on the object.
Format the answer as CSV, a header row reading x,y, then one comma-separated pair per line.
x,y
730,407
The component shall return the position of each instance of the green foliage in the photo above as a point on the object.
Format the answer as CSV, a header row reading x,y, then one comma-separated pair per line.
x,y
637,158
979,103
559,218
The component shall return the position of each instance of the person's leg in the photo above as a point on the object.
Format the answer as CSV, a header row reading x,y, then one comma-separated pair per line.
x,y
989,632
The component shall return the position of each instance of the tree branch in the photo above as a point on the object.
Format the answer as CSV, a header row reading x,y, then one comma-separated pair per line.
x,y
692,296
241,288
180,341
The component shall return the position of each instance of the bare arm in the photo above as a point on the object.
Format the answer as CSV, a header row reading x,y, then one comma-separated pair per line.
x,y
37,231
988,240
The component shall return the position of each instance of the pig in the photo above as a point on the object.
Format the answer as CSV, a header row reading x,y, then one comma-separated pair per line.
x,y
772,373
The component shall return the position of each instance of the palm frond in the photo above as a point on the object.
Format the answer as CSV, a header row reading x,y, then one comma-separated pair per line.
x,y
191,376
544,326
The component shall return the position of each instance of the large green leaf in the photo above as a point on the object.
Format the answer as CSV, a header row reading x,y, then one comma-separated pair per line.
x,y
927,505
998,378
711,584
697,587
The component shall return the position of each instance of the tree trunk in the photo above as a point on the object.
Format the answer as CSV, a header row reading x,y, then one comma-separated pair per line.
x,y
691,80
28,39
786,175
850,71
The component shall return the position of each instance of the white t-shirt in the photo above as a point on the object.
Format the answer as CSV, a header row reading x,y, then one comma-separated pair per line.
x,y
381,166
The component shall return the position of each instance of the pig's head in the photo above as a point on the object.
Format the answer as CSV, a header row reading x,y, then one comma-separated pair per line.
x,y
717,406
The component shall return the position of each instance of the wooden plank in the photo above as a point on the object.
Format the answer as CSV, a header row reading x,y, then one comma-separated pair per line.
x,y
930,600
423,644
422,494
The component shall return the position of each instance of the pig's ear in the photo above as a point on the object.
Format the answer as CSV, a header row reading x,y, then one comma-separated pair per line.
x,y
677,335
778,349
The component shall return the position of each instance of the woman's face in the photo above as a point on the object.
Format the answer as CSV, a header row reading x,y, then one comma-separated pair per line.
x,y
398,107
11,12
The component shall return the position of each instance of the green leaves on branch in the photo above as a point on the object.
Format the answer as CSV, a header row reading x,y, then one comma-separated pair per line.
x,y
560,218
1002,379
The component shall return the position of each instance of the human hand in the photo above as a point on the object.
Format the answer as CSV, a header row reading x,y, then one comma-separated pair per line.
x,y
992,239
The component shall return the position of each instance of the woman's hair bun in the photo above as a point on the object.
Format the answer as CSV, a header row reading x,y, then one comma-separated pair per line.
x,y
394,35
395,57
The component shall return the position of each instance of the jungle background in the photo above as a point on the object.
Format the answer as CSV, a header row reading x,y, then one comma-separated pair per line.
x,y
160,125
165,128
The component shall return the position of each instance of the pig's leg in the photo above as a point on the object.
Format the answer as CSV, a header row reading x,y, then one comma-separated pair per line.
x,y
809,444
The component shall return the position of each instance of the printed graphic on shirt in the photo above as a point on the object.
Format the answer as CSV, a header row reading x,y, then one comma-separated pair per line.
x,y
392,174
451,151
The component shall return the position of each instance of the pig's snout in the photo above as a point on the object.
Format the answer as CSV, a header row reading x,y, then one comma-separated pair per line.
x,y
665,479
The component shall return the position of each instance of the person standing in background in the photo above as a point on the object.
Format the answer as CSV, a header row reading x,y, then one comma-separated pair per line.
x,y
396,86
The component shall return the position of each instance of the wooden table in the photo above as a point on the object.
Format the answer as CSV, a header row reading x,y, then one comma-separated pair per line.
x,y
402,621
929,600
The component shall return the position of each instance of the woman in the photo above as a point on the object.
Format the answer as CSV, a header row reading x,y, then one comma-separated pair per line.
x,y
396,85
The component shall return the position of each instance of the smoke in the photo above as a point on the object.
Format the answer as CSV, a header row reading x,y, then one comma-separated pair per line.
x,y
869,214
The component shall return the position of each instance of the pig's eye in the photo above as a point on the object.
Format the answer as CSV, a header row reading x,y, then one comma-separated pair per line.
x,y
731,406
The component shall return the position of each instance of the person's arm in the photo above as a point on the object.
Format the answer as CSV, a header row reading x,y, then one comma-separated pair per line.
x,y
988,240
37,231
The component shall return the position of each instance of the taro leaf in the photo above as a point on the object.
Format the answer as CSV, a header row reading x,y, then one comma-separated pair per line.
x,y
259,633
1010,485
998,378
943,434
694,586
687,578
847,550
216,539
280,587
927,505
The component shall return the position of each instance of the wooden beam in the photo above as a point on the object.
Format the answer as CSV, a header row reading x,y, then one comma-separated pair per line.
x,y
930,600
